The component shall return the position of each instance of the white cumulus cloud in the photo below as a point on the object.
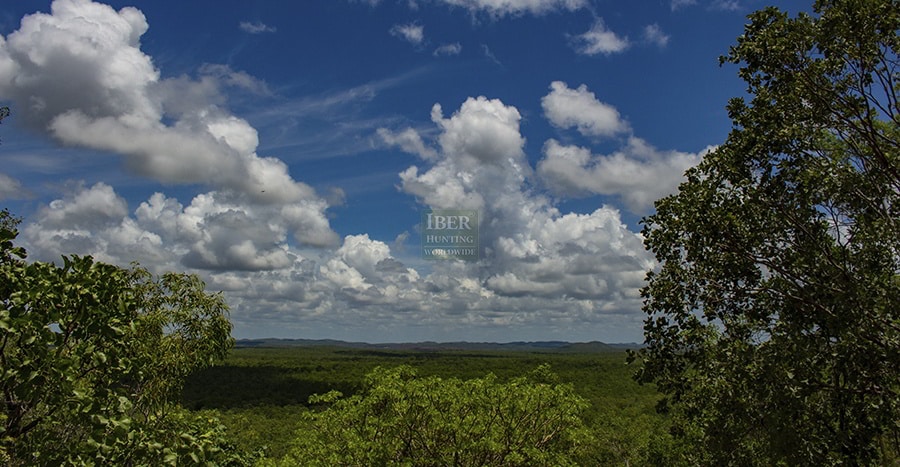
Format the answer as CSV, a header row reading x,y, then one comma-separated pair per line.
x,y
532,251
482,131
580,109
599,40
539,268
638,173
78,74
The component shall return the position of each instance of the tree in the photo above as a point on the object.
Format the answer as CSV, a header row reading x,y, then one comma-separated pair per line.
x,y
773,324
8,221
93,356
405,419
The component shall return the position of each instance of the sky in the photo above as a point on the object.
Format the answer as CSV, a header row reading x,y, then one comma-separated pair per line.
x,y
286,152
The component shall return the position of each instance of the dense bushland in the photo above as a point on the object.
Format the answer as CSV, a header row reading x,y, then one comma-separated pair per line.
x,y
262,396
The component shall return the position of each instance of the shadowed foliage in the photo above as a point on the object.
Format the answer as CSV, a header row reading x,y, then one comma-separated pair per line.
x,y
773,323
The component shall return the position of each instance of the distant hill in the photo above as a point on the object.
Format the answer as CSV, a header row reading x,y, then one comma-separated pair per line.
x,y
540,346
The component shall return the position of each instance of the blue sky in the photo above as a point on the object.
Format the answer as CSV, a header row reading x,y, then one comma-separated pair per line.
x,y
284,151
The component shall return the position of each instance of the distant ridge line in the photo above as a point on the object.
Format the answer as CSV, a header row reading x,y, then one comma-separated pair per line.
x,y
544,346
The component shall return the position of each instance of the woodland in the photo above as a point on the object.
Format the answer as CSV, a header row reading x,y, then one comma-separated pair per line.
x,y
772,325
262,394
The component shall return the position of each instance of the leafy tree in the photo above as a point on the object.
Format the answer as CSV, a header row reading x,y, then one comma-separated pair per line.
x,y
91,357
774,321
8,221
404,419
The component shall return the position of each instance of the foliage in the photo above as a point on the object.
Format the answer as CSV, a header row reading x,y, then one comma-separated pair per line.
x,y
405,419
92,356
773,323
8,222
266,430
261,392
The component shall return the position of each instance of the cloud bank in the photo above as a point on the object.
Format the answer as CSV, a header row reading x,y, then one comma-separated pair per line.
x,y
539,267
263,237
79,76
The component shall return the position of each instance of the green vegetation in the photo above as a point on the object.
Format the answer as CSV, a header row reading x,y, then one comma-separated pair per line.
x,y
773,328
773,325
402,418
262,394
93,358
